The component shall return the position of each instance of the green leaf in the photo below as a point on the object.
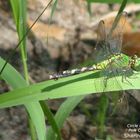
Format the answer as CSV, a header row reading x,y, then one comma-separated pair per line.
x,y
15,8
53,9
15,80
101,116
63,112
19,12
117,18
51,119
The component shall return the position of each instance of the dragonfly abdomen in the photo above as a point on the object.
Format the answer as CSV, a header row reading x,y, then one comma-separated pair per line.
x,y
72,72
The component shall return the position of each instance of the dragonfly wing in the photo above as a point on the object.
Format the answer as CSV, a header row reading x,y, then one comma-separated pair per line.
x,y
101,33
109,79
116,36
101,49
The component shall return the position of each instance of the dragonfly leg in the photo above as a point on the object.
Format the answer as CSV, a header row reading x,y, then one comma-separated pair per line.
x,y
125,77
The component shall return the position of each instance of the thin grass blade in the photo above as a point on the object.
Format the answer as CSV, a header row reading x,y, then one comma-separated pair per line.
x,y
63,112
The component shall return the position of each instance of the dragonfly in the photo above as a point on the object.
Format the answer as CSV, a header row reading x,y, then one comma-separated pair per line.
x,y
109,47
106,47
109,60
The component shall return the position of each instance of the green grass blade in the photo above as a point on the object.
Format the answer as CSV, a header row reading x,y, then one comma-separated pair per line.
x,y
63,112
117,18
37,117
54,90
15,8
53,10
19,12
52,13
51,119
101,116
89,8
32,131
33,108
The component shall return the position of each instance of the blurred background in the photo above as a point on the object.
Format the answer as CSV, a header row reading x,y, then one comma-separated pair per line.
x,y
66,41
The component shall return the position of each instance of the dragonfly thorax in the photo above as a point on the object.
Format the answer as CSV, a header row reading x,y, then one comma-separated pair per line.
x,y
106,48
